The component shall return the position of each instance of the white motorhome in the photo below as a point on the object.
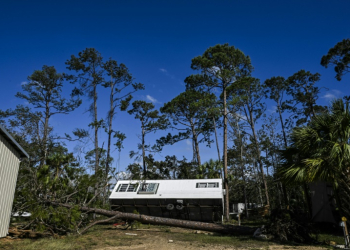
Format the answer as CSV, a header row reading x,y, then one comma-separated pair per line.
x,y
197,200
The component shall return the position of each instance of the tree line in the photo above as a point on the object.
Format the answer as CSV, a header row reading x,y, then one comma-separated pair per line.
x,y
267,158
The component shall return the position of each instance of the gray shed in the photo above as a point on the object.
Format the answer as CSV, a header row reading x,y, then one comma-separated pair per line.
x,y
11,154
323,203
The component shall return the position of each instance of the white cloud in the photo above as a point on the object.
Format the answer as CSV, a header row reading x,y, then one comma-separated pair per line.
x,y
329,96
151,99
332,94
273,109
24,83
189,146
167,74
337,92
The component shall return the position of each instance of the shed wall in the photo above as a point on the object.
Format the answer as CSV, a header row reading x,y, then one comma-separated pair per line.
x,y
9,165
323,206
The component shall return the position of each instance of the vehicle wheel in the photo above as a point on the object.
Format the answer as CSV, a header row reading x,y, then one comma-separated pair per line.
x,y
170,206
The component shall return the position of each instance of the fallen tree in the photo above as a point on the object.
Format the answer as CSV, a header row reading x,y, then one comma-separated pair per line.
x,y
197,225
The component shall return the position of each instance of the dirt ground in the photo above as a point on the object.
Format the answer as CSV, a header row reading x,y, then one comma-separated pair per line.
x,y
162,244
176,239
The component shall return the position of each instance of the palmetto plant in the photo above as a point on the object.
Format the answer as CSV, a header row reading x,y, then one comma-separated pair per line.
x,y
321,151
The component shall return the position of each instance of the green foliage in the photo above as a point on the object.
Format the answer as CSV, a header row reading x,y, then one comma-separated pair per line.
x,y
135,171
320,151
191,114
151,121
286,226
339,57
191,109
88,65
170,168
120,79
301,86
60,180
220,66
120,138
210,170
276,89
246,96
91,160
44,91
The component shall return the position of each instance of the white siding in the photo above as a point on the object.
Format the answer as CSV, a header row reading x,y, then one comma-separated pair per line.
x,y
9,164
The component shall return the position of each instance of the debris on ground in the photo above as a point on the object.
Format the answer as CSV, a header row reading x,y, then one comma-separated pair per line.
x,y
286,226
259,233
14,232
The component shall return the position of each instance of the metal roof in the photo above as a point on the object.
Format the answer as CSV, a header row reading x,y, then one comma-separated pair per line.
x,y
12,141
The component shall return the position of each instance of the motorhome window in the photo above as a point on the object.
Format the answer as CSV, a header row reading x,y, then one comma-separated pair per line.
x,y
148,188
213,184
132,188
201,185
127,188
207,185
122,187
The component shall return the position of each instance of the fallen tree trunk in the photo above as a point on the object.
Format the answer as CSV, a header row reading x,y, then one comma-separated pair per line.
x,y
219,228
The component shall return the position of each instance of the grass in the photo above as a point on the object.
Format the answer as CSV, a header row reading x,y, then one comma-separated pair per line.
x,y
237,241
102,236
254,223
329,232
95,238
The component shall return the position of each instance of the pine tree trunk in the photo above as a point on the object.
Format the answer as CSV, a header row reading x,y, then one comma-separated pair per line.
x,y
216,139
285,195
143,153
259,159
96,131
96,139
227,200
212,227
46,131
196,146
110,121
242,172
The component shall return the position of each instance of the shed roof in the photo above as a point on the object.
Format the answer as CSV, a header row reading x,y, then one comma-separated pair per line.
x,y
12,141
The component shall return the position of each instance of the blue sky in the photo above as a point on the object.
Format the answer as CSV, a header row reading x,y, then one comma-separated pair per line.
x,y
156,40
